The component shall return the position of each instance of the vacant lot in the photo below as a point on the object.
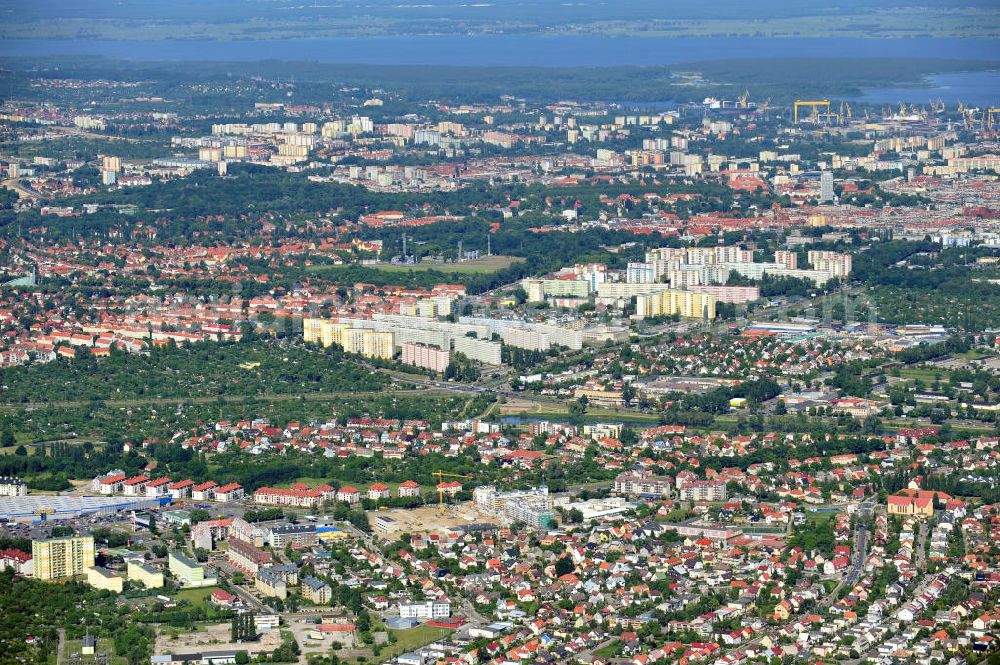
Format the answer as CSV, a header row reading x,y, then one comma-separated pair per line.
x,y
411,639
426,519
529,408
213,637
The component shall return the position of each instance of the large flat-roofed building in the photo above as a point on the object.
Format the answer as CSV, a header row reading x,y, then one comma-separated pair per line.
x,y
558,335
360,339
291,534
426,357
640,273
728,294
428,609
703,490
758,270
612,292
688,304
532,506
540,289
48,508
839,265
369,343
525,338
597,509
385,524
59,558
104,579
480,350
188,572
363,341
148,576
637,483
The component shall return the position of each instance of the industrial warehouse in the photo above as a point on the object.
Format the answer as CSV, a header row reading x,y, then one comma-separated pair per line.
x,y
44,508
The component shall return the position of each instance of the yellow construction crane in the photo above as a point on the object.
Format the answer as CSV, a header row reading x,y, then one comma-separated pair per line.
x,y
989,116
812,104
744,99
440,476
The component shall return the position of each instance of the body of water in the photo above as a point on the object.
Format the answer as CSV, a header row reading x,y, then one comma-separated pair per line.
x,y
977,88
512,50
972,88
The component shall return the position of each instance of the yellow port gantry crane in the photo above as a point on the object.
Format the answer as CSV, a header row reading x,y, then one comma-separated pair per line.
x,y
440,476
814,104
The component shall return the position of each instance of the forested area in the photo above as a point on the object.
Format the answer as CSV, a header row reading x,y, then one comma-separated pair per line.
x,y
34,608
104,428
204,369
781,80
921,283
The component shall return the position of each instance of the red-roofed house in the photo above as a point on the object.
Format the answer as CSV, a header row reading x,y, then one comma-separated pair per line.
x,y
181,489
409,488
230,492
16,560
205,491
348,494
158,487
450,488
915,506
222,598
379,491
111,484
135,486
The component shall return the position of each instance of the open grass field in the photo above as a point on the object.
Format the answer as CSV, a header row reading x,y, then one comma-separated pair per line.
x,y
924,374
411,639
814,517
608,651
197,597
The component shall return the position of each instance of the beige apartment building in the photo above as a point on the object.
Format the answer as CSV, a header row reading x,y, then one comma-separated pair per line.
x,y
688,304
365,342
60,558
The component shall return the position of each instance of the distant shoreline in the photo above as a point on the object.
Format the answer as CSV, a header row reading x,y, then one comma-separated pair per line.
x,y
510,50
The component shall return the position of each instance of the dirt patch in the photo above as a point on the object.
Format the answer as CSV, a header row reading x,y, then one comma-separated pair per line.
x,y
214,637
428,519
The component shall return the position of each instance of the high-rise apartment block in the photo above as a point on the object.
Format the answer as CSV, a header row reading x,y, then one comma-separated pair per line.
x,y
60,558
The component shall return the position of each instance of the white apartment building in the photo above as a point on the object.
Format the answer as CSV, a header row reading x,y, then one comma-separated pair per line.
x,y
480,350
426,357
839,265
640,273
428,609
